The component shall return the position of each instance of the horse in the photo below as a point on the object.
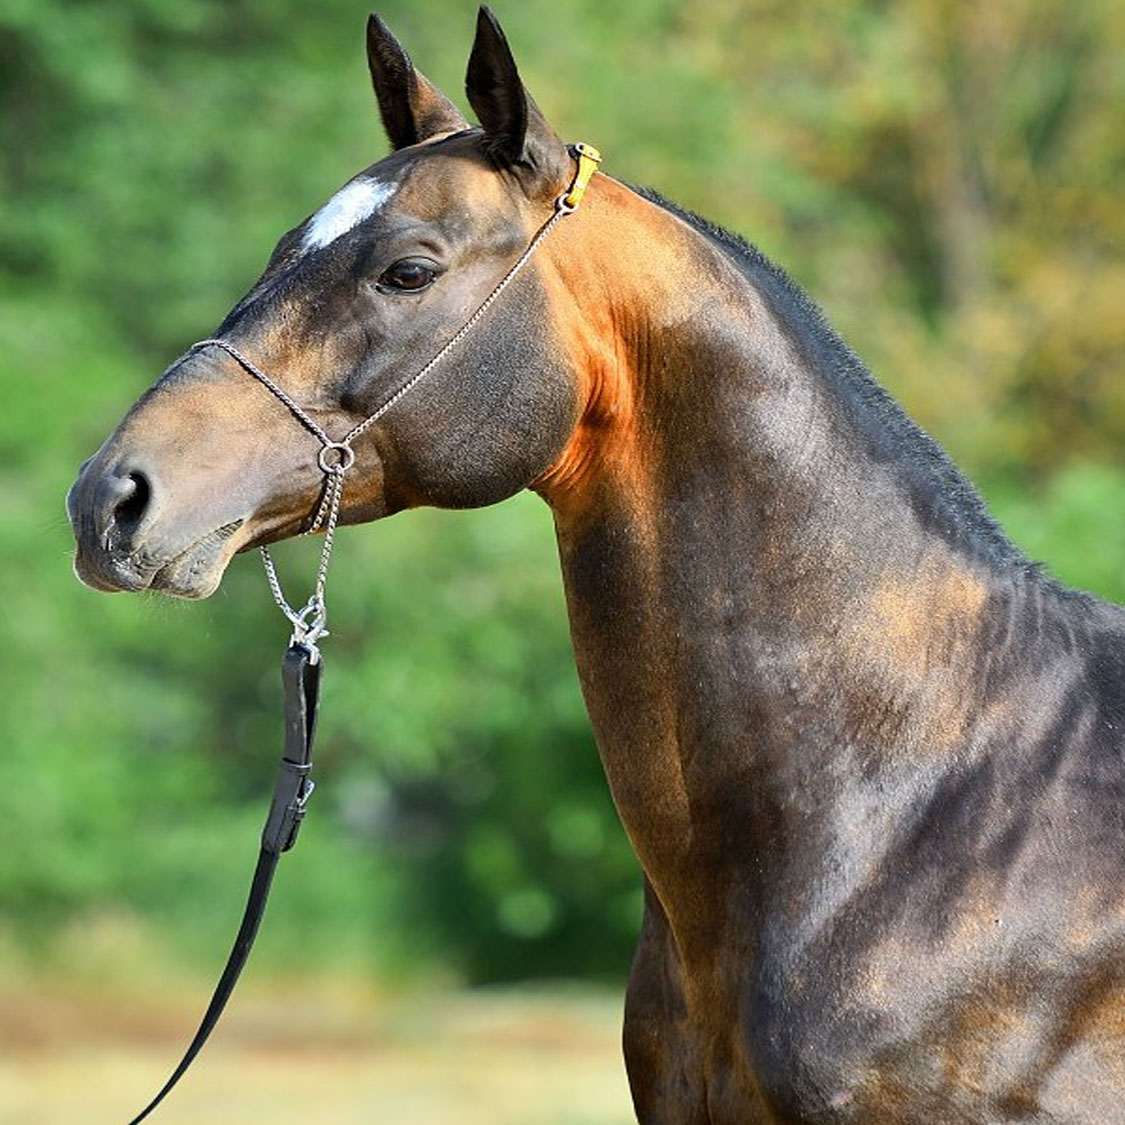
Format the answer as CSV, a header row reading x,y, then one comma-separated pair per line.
x,y
869,756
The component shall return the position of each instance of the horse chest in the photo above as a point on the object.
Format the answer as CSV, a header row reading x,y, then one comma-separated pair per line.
x,y
898,1036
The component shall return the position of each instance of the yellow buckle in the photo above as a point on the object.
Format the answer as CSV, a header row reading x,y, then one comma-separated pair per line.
x,y
588,159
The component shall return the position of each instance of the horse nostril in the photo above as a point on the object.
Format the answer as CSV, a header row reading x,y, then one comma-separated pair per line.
x,y
134,493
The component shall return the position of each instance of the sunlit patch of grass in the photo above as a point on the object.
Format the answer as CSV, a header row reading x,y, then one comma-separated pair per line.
x,y
334,1050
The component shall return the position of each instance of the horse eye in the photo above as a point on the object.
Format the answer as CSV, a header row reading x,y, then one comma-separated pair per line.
x,y
408,275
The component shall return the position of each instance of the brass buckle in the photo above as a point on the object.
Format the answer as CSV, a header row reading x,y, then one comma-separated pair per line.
x,y
588,159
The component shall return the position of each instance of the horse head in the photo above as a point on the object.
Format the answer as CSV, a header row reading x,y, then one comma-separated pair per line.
x,y
351,304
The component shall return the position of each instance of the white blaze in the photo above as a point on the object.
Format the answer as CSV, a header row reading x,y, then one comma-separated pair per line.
x,y
352,204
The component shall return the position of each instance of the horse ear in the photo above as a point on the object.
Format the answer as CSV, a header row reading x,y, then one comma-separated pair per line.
x,y
412,108
517,135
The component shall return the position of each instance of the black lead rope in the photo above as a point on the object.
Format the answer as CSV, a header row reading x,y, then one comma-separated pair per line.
x,y
300,677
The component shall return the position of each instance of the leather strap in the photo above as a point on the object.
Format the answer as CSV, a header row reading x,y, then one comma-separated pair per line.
x,y
300,680
300,677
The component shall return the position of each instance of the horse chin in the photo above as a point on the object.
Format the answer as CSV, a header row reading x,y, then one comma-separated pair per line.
x,y
192,579
192,573
195,573
189,578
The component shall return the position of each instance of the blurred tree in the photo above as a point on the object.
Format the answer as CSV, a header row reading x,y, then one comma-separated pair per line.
x,y
949,174
943,176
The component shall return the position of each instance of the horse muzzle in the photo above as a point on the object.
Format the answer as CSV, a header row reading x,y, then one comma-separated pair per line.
x,y
115,512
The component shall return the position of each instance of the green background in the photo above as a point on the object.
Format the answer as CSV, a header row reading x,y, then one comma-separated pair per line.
x,y
943,177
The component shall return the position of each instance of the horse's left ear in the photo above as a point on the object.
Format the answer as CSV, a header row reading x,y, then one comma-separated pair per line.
x,y
517,135
413,108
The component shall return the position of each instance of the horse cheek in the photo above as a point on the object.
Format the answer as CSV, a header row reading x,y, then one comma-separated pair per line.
x,y
489,428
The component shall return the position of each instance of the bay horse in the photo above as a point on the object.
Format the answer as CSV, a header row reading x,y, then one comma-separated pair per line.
x,y
869,757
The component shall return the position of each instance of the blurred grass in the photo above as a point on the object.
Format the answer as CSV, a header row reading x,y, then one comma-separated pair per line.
x,y
330,1050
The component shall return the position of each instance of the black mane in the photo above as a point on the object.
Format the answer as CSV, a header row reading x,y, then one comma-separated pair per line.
x,y
943,497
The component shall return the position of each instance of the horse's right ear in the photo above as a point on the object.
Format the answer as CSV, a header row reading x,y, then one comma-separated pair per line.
x,y
516,134
412,108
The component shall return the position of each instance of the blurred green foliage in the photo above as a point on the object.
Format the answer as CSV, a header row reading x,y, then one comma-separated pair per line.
x,y
944,177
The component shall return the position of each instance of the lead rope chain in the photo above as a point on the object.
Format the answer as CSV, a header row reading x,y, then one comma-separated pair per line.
x,y
335,458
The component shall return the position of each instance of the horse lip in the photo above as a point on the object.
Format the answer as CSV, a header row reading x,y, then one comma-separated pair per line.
x,y
189,572
192,586
110,575
195,571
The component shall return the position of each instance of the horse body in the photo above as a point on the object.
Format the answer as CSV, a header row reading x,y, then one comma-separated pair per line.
x,y
869,758
860,745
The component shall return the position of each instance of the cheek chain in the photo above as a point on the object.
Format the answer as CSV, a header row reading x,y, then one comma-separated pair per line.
x,y
335,458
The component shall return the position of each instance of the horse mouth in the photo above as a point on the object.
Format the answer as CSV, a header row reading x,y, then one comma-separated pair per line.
x,y
193,572
196,571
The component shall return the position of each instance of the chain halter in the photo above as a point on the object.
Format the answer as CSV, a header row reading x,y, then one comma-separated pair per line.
x,y
335,458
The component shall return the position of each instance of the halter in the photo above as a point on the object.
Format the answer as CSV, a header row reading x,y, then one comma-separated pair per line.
x,y
335,458
301,666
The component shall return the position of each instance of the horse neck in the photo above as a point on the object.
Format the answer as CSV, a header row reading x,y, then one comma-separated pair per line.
x,y
756,601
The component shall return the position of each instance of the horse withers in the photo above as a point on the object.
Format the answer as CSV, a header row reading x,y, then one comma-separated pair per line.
x,y
869,757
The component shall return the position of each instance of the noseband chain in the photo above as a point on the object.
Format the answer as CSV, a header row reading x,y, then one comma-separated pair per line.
x,y
335,458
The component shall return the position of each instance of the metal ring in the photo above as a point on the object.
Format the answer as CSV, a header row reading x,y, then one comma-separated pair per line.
x,y
346,455
563,204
